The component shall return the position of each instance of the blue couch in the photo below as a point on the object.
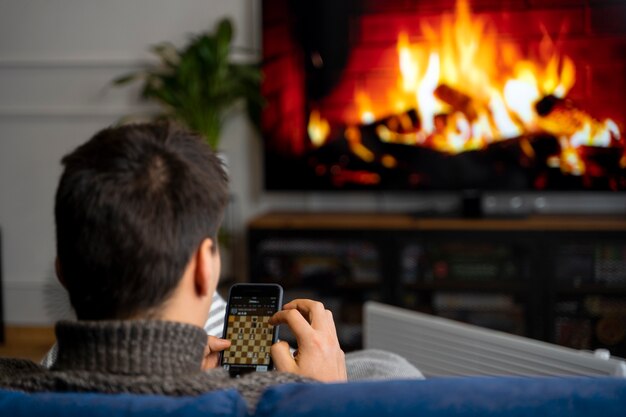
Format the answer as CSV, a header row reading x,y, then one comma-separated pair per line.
x,y
462,396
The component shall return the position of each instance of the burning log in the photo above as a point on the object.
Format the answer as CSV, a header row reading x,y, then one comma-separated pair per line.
x,y
528,149
589,148
457,100
561,117
400,128
405,122
601,162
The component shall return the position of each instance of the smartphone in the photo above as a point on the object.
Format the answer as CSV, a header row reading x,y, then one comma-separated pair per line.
x,y
247,326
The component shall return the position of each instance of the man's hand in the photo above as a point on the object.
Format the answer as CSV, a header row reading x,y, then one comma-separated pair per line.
x,y
212,352
319,355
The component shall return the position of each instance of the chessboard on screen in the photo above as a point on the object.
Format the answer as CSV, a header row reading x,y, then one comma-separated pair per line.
x,y
251,338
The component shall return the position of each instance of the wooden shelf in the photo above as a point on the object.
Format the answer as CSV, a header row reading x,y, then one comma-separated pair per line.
x,y
591,289
343,286
388,221
533,246
470,286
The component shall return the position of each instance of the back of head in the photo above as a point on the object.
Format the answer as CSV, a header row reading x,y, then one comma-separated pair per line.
x,y
132,206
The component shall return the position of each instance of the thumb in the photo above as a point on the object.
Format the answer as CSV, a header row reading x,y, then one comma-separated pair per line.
x,y
212,352
282,357
217,345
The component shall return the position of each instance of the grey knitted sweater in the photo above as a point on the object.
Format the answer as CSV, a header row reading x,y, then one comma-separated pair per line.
x,y
144,357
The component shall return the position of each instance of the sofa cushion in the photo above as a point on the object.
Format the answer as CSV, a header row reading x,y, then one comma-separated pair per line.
x,y
458,396
221,403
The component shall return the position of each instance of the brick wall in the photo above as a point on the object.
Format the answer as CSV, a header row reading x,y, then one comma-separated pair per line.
x,y
284,117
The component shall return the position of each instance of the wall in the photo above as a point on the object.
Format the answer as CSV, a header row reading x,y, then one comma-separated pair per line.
x,y
57,59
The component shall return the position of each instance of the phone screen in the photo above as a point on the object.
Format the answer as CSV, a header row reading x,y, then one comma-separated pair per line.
x,y
247,327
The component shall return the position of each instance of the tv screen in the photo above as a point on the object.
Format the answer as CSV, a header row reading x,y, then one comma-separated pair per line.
x,y
438,95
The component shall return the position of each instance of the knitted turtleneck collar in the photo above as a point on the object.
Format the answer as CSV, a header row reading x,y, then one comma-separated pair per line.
x,y
130,347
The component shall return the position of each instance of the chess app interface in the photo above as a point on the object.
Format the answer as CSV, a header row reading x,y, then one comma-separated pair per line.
x,y
248,329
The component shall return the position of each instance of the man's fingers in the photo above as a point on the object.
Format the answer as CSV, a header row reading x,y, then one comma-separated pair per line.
x,y
319,354
331,324
283,359
292,318
211,361
314,311
300,328
305,305
212,351
217,345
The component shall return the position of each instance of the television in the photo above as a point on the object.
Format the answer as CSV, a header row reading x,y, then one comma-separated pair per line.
x,y
416,95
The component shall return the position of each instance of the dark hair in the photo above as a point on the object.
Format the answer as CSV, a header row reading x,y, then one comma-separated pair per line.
x,y
132,206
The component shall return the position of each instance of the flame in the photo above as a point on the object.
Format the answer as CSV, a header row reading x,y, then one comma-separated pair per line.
x,y
318,129
491,90
570,159
367,114
409,66
353,137
426,94
470,89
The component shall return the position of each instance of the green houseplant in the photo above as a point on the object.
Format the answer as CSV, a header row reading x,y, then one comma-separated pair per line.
x,y
197,85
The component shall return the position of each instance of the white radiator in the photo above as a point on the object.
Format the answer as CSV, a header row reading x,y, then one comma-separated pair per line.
x,y
442,347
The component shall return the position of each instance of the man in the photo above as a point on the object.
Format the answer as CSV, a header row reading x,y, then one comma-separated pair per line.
x,y
137,213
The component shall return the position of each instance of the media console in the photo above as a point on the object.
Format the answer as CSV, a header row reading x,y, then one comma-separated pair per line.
x,y
558,279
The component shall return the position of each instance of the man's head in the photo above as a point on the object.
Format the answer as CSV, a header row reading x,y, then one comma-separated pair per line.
x,y
134,205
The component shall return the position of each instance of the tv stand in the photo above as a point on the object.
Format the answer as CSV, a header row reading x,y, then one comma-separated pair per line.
x,y
472,204
558,279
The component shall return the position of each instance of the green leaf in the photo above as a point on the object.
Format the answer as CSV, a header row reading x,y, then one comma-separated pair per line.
x,y
224,33
197,85
128,78
167,52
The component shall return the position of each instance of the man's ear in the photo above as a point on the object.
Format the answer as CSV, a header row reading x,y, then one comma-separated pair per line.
x,y
203,275
59,272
